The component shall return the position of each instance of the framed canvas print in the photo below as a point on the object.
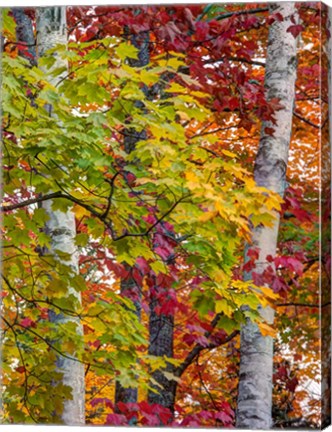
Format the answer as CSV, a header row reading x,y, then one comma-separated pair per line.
x,y
166,215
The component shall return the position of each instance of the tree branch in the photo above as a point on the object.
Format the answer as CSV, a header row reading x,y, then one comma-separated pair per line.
x,y
100,216
198,348
308,305
308,122
242,12
5,208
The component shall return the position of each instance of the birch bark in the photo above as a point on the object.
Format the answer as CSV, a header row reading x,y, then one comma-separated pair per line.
x,y
51,30
254,408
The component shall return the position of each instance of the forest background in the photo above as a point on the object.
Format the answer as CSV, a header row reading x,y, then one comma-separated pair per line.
x,y
294,316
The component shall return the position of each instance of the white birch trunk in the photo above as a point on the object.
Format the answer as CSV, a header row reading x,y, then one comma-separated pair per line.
x,y
254,408
51,30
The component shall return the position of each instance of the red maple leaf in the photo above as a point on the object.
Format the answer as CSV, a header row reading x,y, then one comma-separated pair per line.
x,y
295,30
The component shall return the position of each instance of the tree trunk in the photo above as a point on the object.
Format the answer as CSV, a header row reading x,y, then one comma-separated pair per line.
x,y
61,227
160,326
24,34
254,408
161,344
129,287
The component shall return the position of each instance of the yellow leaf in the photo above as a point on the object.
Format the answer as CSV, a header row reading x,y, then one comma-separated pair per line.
x,y
268,292
69,347
208,216
223,306
176,88
183,115
190,176
174,63
228,153
148,77
171,376
219,276
80,212
220,206
250,184
267,330
142,180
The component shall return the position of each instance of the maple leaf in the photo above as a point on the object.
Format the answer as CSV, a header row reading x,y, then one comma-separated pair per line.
x,y
269,131
295,30
116,420
292,384
27,322
224,417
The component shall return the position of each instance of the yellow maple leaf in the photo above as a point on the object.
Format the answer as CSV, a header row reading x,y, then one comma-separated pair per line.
x,y
223,306
268,292
267,330
228,153
80,212
208,216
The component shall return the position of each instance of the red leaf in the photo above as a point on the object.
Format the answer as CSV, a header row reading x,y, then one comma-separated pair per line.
x,y
189,18
122,407
295,265
163,253
248,266
27,322
282,372
116,420
302,215
206,415
224,417
202,30
292,384
142,265
279,17
269,258
253,253
150,420
269,131
279,286
295,30
274,17
150,219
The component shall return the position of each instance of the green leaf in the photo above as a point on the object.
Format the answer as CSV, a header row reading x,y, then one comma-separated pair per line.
x,y
202,302
81,239
228,324
126,50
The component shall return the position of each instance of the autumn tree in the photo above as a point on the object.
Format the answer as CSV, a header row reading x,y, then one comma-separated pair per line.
x,y
154,157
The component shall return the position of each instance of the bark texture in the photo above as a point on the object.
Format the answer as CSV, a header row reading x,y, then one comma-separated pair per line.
x,y
24,34
254,408
161,344
61,227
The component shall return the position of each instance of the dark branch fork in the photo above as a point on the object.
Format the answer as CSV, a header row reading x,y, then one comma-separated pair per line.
x,y
192,355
